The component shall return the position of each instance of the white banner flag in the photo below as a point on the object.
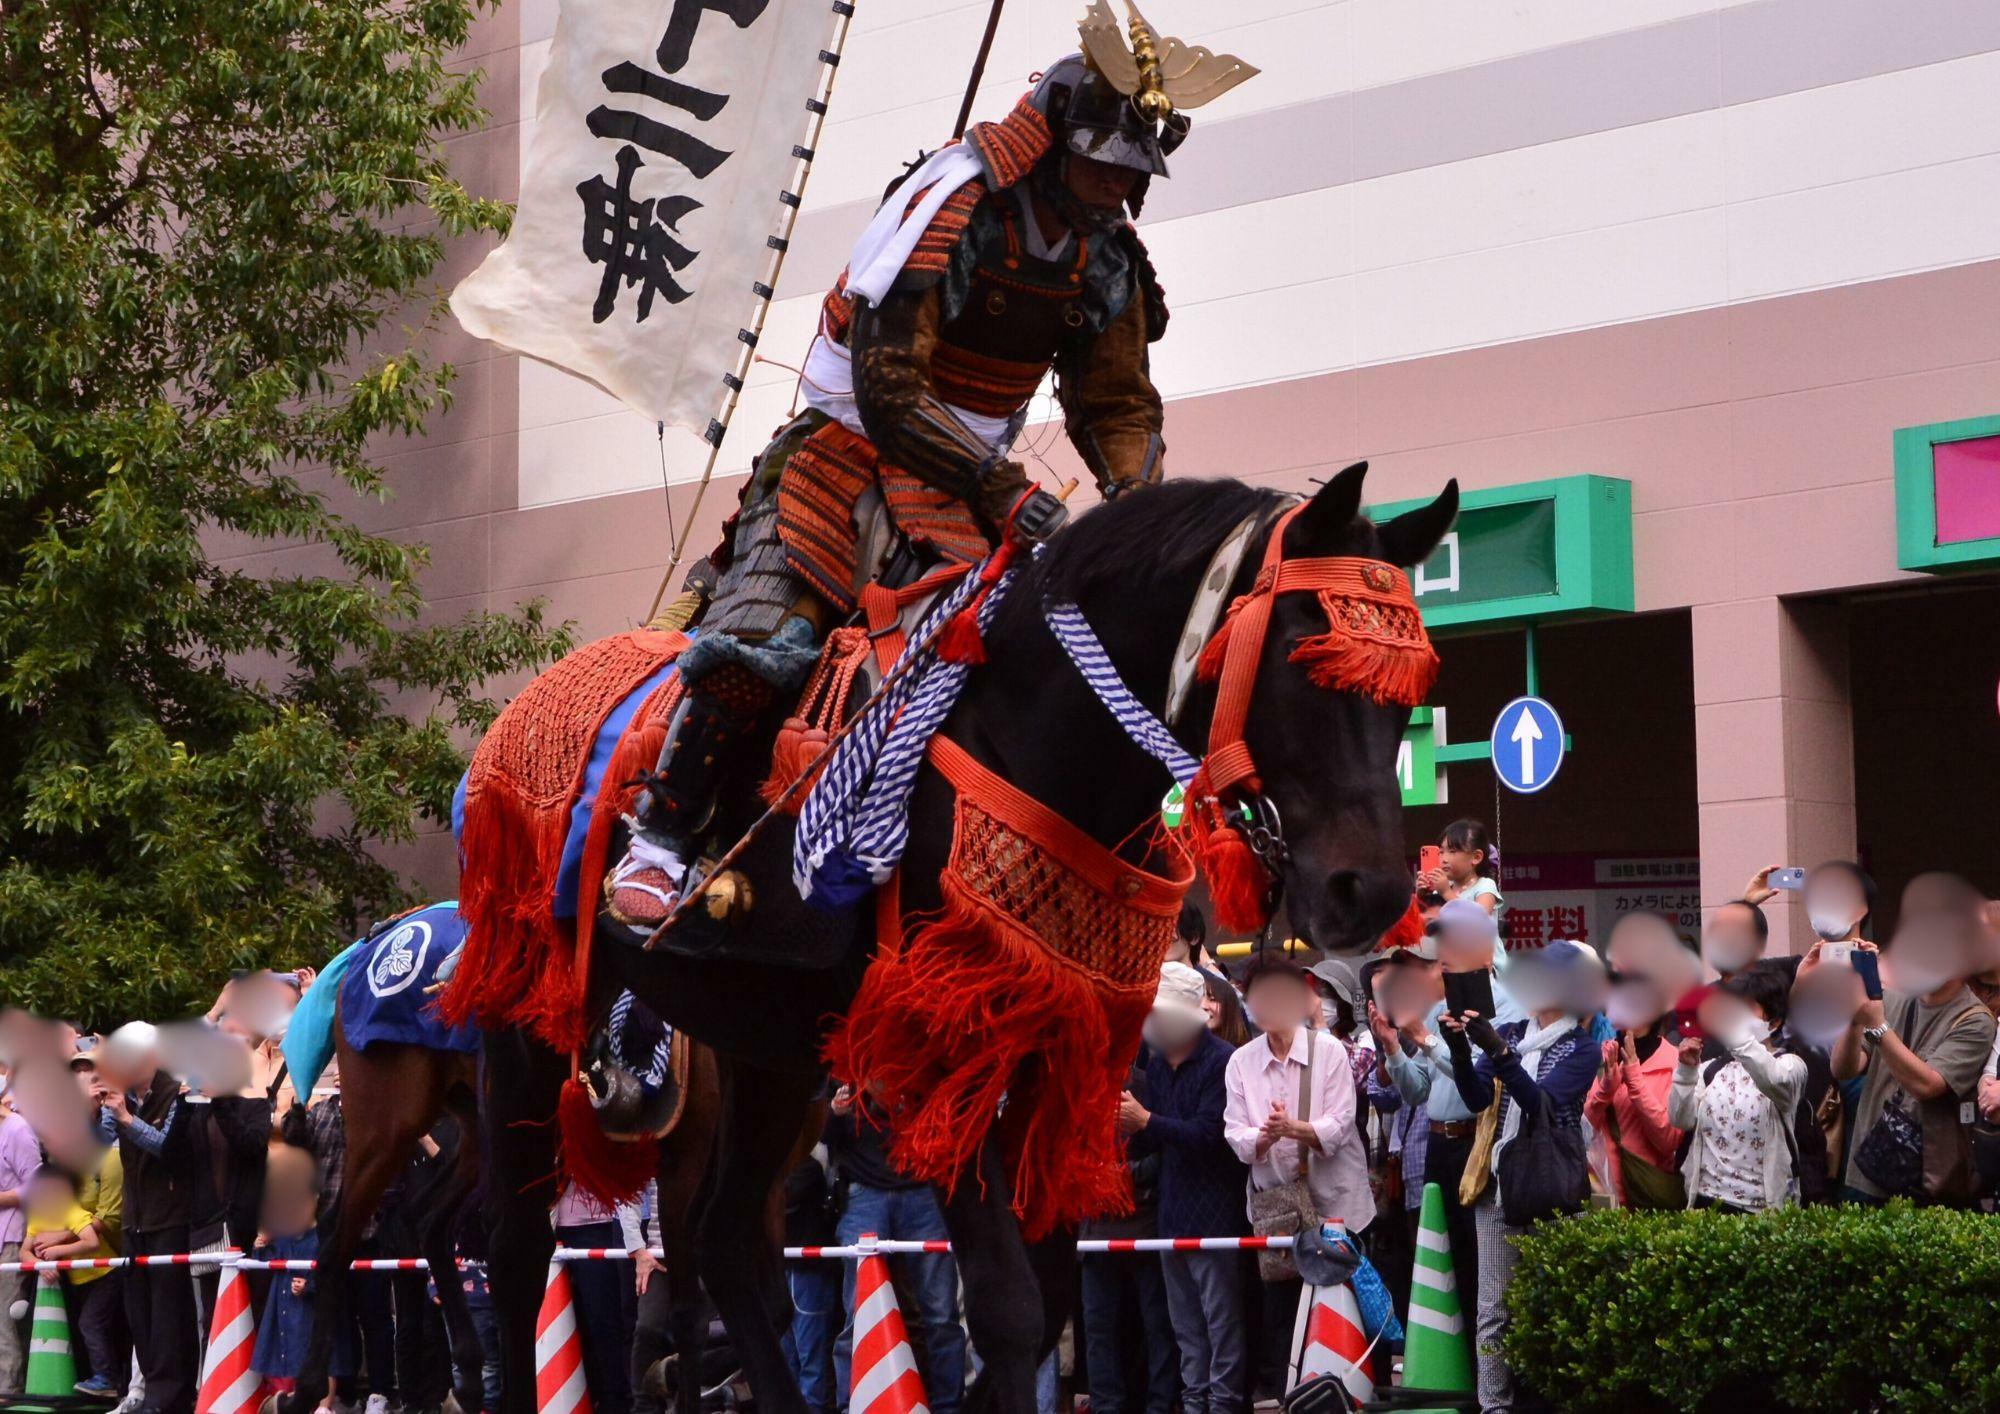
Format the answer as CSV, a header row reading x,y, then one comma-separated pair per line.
x,y
663,138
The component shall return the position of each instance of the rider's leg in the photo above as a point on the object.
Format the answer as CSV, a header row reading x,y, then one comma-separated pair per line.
x,y
756,645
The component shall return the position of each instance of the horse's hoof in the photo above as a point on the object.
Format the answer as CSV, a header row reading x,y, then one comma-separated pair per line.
x,y
451,1404
270,1405
658,1386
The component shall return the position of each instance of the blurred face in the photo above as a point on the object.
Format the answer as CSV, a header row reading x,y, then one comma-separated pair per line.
x,y
1098,184
1170,1028
1635,1004
1834,902
1723,1015
1731,943
1464,947
49,1199
1645,945
1940,936
1280,1004
1542,982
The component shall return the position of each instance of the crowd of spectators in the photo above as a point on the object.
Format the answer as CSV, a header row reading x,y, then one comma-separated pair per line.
x,y
1268,1097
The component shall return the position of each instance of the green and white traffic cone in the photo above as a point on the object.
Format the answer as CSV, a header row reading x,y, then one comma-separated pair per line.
x,y
1436,1354
51,1363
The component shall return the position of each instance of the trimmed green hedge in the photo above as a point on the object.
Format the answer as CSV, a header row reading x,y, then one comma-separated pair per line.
x,y
1823,1308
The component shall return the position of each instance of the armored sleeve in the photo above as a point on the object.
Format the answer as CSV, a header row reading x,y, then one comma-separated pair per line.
x,y
1111,409
904,417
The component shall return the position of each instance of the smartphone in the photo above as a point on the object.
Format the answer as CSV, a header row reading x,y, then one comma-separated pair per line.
x,y
1869,965
1687,1015
1427,859
1469,991
1793,879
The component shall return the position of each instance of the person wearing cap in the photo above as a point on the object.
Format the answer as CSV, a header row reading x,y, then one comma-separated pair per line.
x,y
1201,1189
1549,1055
1420,1065
147,1114
1273,1131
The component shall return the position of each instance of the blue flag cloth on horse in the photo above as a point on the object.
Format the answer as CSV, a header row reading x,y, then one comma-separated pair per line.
x,y
386,994
308,1043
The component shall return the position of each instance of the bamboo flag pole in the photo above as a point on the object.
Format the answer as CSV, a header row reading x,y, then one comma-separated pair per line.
x,y
789,200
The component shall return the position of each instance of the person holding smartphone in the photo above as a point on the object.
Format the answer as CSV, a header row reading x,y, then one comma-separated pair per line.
x,y
1921,1046
1466,867
1738,1110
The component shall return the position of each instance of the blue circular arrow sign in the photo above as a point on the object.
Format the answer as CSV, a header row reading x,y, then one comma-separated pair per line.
x,y
1527,745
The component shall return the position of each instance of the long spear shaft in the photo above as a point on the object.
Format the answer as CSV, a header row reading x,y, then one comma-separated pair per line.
x,y
978,67
790,201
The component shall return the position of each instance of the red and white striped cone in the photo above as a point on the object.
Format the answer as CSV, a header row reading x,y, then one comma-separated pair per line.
x,y
559,1379
1328,1340
885,1378
228,1384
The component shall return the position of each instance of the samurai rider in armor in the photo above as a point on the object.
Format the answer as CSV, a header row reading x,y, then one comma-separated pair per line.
x,y
992,262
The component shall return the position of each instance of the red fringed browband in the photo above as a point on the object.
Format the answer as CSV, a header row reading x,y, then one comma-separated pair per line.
x,y
1375,645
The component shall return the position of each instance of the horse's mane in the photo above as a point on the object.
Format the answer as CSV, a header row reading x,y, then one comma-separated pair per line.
x,y
1157,537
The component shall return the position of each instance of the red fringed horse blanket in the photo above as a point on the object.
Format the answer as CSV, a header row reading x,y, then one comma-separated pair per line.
x,y
523,965
1016,1007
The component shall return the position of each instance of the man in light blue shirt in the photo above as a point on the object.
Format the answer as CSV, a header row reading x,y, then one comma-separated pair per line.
x,y
1420,1065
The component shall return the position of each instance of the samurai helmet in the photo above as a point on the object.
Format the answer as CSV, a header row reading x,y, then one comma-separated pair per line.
x,y
1125,104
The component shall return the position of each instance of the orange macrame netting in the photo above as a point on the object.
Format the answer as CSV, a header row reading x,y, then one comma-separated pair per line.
x,y
1031,982
521,965
1375,643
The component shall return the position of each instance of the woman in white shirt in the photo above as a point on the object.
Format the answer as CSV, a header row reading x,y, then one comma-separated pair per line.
x,y
1738,1112
1270,1130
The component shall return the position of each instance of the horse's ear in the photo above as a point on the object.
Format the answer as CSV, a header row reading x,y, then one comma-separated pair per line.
x,y
1331,510
1410,537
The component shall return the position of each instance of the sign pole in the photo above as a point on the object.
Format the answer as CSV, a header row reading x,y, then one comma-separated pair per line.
x,y
764,289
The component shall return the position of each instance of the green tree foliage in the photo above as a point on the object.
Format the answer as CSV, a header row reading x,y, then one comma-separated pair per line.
x,y
1825,1308
218,227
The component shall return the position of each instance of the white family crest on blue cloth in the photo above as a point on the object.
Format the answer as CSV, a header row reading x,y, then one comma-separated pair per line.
x,y
399,958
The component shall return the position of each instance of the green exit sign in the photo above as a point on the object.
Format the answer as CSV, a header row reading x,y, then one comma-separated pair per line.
x,y
1419,775
1540,550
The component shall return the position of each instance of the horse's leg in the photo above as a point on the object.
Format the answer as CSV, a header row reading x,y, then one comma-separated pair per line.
x,y
389,1097
1005,1308
519,1090
686,1159
440,1248
762,1112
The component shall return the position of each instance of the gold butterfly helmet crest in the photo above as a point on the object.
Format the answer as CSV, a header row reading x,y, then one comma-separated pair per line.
x,y
1124,102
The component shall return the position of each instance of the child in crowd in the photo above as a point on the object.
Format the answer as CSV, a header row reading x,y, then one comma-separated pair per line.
x,y
61,1228
291,1205
1468,866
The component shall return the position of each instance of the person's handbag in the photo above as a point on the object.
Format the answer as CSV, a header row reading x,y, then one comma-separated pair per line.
x,y
1544,1171
1287,1209
1891,1153
1478,1174
1648,1187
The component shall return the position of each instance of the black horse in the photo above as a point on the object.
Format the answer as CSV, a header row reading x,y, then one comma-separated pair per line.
x,y
1326,759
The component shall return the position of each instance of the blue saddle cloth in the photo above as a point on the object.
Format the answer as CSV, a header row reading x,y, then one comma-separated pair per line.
x,y
385,995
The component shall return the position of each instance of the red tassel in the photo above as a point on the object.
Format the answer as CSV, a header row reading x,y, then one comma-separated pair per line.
x,y
959,641
968,1007
1407,931
1238,884
1208,667
798,746
610,1170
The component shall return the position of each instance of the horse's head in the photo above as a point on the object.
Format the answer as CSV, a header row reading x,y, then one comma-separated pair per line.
x,y
1324,727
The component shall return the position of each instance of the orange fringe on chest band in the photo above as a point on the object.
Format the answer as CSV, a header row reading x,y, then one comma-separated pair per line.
x,y
1375,643
1028,985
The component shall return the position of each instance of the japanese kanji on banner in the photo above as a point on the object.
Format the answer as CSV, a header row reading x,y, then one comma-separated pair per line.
x,y
663,138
